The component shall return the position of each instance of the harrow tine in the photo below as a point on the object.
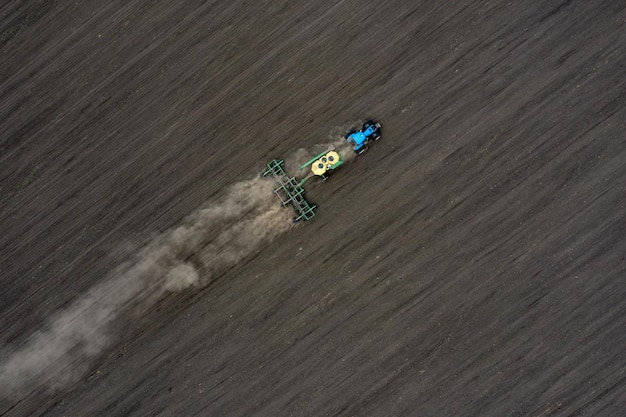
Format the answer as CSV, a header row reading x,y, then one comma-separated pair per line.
x,y
289,190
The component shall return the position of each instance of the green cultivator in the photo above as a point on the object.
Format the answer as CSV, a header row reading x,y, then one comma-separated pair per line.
x,y
289,190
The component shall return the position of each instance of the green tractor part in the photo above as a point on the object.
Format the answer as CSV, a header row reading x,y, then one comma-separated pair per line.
x,y
289,190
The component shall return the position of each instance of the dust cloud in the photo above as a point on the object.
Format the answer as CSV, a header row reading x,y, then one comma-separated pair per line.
x,y
190,256
208,242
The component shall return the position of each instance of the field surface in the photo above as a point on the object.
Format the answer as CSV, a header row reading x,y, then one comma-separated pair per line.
x,y
471,263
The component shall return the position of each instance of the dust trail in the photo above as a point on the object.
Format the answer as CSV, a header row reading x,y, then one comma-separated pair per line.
x,y
208,242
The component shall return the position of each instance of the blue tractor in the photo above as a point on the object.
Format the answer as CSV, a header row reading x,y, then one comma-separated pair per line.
x,y
360,138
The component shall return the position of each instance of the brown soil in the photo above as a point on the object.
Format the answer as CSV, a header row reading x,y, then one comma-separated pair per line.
x,y
471,263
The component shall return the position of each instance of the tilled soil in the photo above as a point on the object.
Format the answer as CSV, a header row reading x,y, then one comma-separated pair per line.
x,y
471,263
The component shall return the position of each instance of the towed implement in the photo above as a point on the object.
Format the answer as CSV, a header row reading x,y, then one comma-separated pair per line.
x,y
323,164
289,190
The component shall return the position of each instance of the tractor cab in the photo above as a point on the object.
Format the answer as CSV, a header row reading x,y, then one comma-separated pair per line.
x,y
359,139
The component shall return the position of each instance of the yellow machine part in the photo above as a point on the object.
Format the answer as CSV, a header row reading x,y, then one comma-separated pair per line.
x,y
332,157
319,167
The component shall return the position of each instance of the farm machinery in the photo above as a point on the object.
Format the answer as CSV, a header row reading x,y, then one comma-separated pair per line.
x,y
360,138
291,190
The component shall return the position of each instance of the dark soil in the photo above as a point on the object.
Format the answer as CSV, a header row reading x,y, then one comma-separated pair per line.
x,y
471,263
